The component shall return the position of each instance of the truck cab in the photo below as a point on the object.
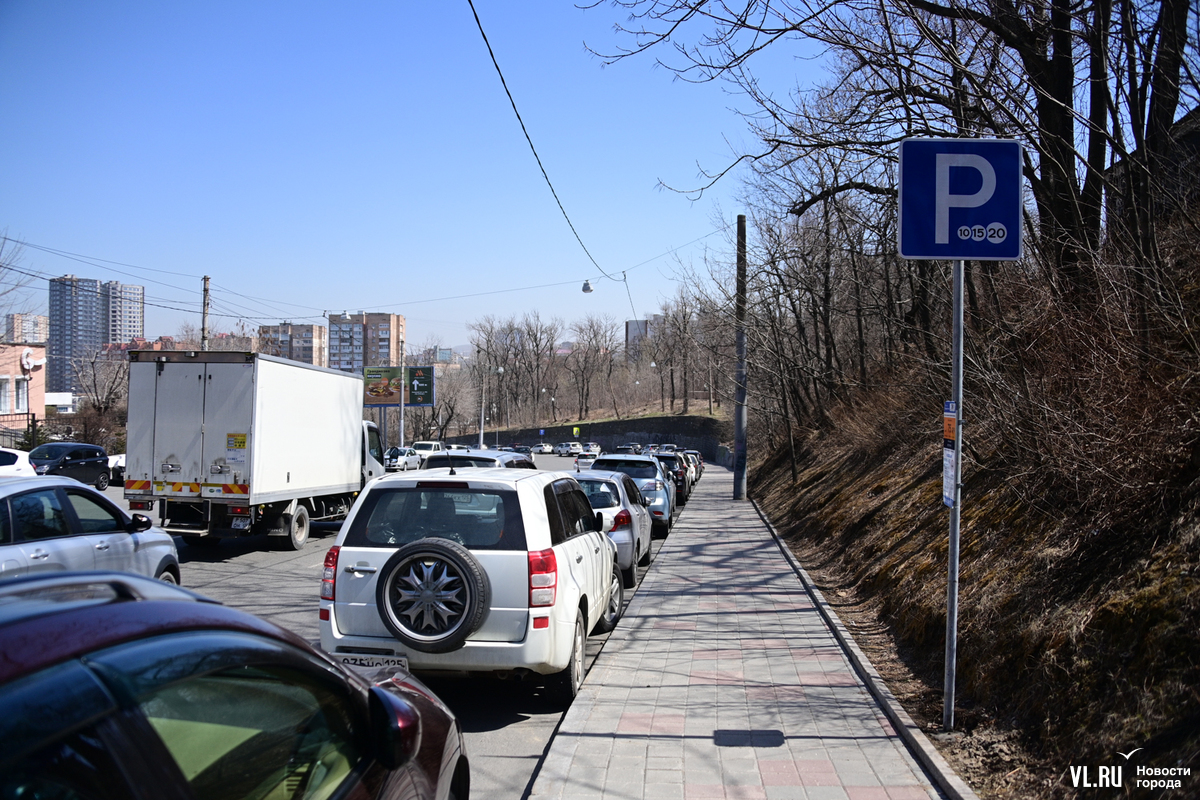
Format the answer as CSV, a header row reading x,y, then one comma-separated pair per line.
x,y
426,449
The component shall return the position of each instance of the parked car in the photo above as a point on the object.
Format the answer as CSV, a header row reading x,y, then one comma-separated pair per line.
x,y
86,463
457,447
116,469
496,571
523,448
652,481
626,518
15,462
585,461
543,447
674,466
113,685
632,448
480,458
568,449
50,524
593,448
699,458
689,464
402,459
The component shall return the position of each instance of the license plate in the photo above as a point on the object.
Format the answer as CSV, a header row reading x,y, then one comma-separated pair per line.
x,y
374,661
241,523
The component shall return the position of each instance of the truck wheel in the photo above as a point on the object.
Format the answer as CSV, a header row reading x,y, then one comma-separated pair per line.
x,y
432,594
297,528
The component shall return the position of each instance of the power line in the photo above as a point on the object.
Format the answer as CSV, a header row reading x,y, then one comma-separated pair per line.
x,y
525,131
232,306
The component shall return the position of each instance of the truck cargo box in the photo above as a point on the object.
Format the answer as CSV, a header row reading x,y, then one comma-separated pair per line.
x,y
241,427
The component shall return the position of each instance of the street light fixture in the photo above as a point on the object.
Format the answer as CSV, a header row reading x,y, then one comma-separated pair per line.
x,y
587,287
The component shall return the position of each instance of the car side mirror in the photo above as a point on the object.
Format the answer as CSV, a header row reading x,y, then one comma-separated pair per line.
x,y
395,728
140,523
599,522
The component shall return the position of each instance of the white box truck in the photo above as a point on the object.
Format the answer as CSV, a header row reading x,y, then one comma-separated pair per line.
x,y
233,443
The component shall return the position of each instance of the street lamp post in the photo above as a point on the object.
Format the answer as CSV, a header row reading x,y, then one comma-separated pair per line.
x,y
482,405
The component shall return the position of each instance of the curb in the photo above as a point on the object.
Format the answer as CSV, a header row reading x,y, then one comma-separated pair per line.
x,y
946,779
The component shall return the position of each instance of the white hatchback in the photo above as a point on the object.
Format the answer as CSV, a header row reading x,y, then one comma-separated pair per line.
x,y
15,462
478,570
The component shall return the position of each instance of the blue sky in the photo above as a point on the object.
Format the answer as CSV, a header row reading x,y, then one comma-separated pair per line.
x,y
360,156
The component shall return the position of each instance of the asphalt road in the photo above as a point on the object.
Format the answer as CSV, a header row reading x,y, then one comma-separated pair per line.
x,y
508,724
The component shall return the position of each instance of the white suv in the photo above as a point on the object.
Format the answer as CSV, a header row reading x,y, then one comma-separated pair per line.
x,y
568,449
484,570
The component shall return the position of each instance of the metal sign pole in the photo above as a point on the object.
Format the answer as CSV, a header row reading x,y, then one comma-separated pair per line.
x,y
956,388
739,397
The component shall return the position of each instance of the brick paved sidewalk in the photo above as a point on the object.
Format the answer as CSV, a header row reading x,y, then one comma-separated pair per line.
x,y
723,681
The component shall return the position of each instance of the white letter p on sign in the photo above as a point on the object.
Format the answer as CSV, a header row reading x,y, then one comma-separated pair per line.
x,y
945,201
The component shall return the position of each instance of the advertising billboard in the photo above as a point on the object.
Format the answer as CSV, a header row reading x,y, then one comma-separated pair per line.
x,y
382,386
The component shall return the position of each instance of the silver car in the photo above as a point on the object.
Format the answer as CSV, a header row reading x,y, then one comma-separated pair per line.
x,y
402,459
53,524
652,481
626,518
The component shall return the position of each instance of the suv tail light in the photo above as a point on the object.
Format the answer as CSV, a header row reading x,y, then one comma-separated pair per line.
x,y
543,578
329,575
652,486
622,519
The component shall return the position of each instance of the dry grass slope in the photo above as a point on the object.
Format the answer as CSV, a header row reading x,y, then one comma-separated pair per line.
x,y
1079,624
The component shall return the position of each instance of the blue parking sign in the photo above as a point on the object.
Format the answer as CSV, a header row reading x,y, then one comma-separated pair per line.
x,y
960,199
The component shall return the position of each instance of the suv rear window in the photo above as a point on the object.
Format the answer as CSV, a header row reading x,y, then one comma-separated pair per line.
x,y
478,519
440,461
634,469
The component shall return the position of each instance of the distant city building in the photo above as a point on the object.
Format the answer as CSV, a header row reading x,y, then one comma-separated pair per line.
x,y
120,351
636,330
26,328
307,343
365,340
124,311
77,329
85,315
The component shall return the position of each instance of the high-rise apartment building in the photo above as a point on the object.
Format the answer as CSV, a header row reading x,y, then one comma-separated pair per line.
x,y
26,328
307,343
365,340
124,312
84,316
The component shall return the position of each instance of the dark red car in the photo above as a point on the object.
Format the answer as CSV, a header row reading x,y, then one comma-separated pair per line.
x,y
118,686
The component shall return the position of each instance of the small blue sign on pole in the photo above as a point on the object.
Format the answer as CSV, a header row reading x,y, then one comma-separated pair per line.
x,y
960,199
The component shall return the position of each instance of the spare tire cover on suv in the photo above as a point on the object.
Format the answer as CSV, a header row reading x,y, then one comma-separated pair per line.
x,y
432,594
